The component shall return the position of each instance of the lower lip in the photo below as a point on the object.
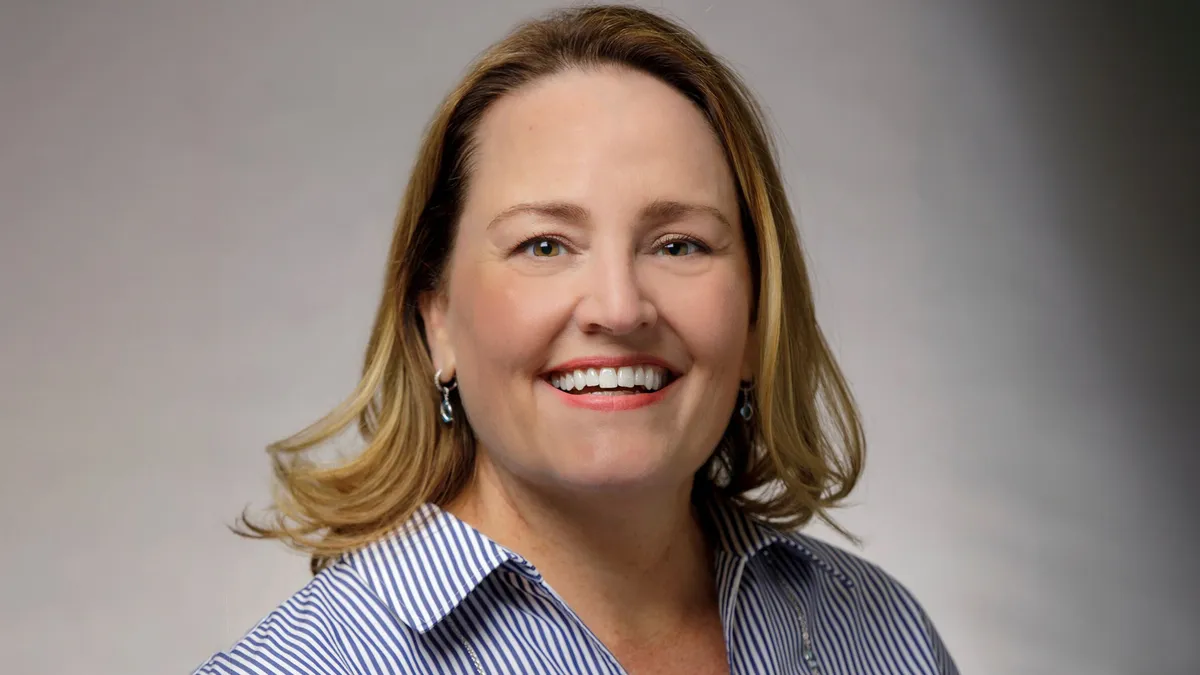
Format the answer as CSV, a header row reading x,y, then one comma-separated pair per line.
x,y
611,402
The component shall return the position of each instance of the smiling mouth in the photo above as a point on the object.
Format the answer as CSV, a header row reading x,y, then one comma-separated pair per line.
x,y
623,381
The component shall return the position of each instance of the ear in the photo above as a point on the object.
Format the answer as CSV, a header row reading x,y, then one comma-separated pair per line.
x,y
433,314
750,356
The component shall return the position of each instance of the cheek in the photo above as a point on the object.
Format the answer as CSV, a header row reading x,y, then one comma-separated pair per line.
x,y
712,316
502,325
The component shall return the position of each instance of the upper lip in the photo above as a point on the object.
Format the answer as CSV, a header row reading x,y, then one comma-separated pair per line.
x,y
585,362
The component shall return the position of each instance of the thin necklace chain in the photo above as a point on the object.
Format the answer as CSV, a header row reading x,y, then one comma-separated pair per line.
x,y
807,652
470,650
806,642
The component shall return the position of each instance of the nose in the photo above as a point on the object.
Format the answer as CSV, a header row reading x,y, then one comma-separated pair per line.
x,y
614,300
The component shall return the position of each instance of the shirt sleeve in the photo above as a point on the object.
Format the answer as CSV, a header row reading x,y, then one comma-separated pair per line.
x,y
945,663
292,640
942,660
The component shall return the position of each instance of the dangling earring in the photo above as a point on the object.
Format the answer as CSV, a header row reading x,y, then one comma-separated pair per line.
x,y
447,409
747,409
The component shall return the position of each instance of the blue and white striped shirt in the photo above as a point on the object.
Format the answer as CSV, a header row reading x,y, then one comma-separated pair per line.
x,y
440,597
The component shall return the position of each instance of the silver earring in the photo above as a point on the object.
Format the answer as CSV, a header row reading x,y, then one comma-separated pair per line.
x,y
747,409
447,407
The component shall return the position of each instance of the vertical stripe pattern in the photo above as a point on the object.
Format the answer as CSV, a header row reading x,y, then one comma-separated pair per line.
x,y
438,597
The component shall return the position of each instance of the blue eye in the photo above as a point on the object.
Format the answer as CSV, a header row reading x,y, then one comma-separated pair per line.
x,y
679,248
544,248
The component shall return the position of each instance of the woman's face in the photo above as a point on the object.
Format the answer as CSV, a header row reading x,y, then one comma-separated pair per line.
x,y
597,305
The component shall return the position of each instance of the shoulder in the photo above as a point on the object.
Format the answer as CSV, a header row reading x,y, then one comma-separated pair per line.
x,y
857,590
313,632
851,570
857,579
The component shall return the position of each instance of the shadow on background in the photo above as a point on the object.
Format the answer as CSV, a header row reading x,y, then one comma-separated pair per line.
x,y
1116,89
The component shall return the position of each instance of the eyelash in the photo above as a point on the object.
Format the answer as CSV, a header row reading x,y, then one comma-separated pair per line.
x,y
543,236
670,239
679,238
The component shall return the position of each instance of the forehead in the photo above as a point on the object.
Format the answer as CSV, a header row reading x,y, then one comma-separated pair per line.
x,y
611,132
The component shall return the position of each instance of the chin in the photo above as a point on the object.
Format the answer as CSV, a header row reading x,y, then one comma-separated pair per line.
x,y
624,467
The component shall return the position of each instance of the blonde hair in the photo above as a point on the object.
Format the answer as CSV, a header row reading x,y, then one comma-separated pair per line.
x,y
801,454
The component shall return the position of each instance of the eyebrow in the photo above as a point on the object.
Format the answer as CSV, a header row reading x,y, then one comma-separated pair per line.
x,y
656,212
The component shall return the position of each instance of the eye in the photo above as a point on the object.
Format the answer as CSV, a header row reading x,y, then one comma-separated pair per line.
x,y
680,247
543,247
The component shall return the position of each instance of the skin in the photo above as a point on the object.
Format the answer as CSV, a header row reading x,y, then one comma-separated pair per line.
x,y
598,501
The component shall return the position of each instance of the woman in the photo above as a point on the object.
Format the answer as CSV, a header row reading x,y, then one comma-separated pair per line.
x,y
596,402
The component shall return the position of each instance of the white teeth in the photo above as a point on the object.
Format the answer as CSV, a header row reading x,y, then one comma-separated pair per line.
x,y
608,378
625,377
649,378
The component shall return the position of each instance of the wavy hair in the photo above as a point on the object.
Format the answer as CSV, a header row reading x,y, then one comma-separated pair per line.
x,y
798,458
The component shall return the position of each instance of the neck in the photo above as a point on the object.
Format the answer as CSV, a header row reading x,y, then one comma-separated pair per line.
x,y
634,565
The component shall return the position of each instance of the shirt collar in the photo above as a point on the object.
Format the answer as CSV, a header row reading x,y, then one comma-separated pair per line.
x,y
428,565
742,537
431,563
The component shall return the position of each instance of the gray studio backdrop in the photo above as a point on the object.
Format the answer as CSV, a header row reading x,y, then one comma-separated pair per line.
x,y
997,197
